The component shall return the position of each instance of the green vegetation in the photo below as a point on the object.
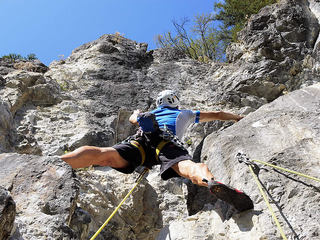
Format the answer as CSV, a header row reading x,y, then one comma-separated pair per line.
x,y
31,56
64,86
189,142
14,57
210,34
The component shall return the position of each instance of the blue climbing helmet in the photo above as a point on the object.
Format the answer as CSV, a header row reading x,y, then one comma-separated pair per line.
x,y
168,98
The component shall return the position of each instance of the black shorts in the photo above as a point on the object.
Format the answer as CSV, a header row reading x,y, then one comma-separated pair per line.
x,y
169,154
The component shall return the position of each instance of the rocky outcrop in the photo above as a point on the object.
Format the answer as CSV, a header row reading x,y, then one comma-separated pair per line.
x,y
87,98
8,65
290,31
24,91
29,87
277,47
31,66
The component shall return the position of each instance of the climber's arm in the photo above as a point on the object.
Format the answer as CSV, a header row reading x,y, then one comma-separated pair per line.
x,y
134,116
218,115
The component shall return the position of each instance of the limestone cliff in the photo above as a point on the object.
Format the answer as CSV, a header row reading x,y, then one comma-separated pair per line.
x,y
271,77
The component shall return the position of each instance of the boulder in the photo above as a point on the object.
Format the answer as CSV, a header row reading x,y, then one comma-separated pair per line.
x,y
45,192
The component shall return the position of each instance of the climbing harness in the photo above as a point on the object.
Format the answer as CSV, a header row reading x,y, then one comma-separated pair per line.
x,y
165,136
168,136
159,148
242,158
123,200
141,150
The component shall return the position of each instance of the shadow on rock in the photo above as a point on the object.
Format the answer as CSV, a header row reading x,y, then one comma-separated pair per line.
x,y
199,197
244,219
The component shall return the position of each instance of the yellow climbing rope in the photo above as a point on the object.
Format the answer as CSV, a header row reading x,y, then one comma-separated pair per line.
x,y
268,204
123,200
287,170
243,158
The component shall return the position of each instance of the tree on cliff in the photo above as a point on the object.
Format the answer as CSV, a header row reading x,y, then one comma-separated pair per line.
x,y
200,42
233,14
210,34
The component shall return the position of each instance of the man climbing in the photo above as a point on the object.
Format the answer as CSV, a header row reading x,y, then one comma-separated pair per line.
x,y
158,142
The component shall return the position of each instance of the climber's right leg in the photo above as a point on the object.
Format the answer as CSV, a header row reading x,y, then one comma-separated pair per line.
x,y
89,155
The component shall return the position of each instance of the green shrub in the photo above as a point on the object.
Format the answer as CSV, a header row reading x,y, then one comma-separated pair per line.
x,y
14,57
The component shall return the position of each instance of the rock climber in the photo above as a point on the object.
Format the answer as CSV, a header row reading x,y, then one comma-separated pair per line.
x,y
158,142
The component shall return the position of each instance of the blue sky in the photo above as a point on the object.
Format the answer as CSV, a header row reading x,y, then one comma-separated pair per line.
x,y
51,28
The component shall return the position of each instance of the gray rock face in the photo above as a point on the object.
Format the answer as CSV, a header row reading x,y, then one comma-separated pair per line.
x,y
87,99
278,45
31,66
29,87
6,127
285,133
2,81
44,190
7,213
8,65
290,31
102,191
25,91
